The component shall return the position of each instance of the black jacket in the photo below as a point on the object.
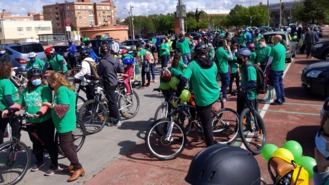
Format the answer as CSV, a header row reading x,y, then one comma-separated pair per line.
x,y
108,69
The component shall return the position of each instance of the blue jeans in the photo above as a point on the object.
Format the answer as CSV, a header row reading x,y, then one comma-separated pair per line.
x,y
186,58
225,79
152,69
277,77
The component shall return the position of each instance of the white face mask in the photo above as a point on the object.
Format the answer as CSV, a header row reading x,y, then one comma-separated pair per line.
x,y
262,44
235,51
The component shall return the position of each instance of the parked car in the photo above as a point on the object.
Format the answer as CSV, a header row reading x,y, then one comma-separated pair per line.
x,y
315,77
19,53
320,50
131,44
290,45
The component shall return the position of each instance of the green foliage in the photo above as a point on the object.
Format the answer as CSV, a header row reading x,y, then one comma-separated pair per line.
x,y
312,11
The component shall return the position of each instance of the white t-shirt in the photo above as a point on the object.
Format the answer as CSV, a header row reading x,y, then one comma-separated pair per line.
x,y
85,69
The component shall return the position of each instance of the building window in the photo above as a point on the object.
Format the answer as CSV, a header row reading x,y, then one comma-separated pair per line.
x,y
19,28
28,28
90,7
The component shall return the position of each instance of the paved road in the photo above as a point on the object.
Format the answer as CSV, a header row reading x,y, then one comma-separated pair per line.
x,y
119,156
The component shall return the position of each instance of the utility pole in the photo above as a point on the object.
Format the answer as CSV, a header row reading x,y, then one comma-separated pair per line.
x,y
280,23
132,22
181,14
268,13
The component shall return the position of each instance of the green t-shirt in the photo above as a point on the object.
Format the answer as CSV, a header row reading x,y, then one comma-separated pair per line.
x,y
249,75
58,64
211,53
205,86
278,53
164,49
32,101
262,54
234,64
38,63
177,71
242,40
222,57
7,88
65,96
184,46
253,57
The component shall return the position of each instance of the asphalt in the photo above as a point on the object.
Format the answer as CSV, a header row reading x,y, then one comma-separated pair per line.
x,y
118,156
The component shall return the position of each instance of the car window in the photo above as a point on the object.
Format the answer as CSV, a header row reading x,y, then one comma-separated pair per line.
x,y
28,48
268,38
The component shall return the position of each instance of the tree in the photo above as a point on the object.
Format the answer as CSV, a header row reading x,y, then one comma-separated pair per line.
x,y
312,11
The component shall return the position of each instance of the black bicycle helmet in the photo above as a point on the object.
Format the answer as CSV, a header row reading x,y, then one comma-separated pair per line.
x,y
224,165
201,49
85,52
34,72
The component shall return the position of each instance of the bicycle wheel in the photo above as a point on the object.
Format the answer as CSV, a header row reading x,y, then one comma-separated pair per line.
x,y
252,131
161,146
15,160
129,105
225,126
79,136
161,111
93,115
80,102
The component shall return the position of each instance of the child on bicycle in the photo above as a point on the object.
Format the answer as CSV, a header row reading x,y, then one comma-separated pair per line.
x,y
9,97
128,61
63,114
41,129
248,89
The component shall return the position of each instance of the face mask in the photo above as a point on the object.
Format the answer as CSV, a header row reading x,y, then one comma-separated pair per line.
x,y
36,82
235,51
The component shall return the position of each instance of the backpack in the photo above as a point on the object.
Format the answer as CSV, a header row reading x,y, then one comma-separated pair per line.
x,y
93,70
149,57
261,80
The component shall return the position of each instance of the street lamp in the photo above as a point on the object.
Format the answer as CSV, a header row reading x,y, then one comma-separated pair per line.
x,y
180,12
131,21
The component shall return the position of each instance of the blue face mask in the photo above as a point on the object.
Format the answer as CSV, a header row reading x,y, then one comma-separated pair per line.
x,y
36,82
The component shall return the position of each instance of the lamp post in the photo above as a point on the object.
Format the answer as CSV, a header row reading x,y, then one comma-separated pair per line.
x,y
131,20
181,14
280,23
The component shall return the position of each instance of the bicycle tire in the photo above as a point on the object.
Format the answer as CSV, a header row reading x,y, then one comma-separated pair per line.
x,y
122,107
88,113
159,138
78,133
243,126
225,127
161,111
80,102
22,147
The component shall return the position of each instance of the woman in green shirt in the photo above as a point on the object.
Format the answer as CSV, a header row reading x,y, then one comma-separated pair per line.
x,y
8,100
64,117
41,129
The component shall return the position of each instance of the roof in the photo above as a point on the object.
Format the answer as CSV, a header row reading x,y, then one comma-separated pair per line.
x,y
275,33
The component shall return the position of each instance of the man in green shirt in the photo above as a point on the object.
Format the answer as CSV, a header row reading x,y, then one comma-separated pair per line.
x,y
35,62
278,61
263,53
56,62
202,74
183,46
141,54
235,76
223,55
248,80
164,53
253,55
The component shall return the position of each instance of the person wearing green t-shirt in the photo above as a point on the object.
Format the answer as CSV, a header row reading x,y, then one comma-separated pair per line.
x,y
164,53
248,80
278,62
202,74
35,62
235,75
9,97
223,55
141,55
63,114
263,53
183,45
55,62
41,129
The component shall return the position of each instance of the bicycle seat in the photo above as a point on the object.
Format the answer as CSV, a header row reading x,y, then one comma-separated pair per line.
x,y
281,167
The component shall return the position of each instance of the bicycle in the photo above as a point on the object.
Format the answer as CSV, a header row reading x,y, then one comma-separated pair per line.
x,y
93,114
251,126
19,79
167,137
128,104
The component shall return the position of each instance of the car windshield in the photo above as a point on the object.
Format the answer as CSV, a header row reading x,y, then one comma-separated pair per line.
x,y
28,48
268,38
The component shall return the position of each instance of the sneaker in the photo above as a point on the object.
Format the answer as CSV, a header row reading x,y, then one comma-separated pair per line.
x,y
52,170
119,124
224,100
36,167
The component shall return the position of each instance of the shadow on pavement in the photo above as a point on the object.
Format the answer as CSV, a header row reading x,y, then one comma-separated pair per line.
x,y
156,95
140,126
301,94
136,151
305,136
306,61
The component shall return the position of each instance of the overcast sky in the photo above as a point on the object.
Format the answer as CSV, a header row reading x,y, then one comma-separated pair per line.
x,y
141,7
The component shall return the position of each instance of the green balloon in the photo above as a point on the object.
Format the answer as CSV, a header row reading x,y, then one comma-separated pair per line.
x,y
164,86
268,150
173,82
308,163
295,148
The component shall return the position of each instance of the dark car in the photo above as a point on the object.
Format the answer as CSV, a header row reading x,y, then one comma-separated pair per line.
x,y
320,50
131,44
315,77
287,42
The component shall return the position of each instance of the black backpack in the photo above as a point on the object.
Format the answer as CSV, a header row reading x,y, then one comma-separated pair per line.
x,y
261,85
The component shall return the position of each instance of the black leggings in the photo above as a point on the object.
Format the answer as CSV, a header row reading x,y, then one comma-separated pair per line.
x,y
15,127
236,77
205,115
42,136
68,148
